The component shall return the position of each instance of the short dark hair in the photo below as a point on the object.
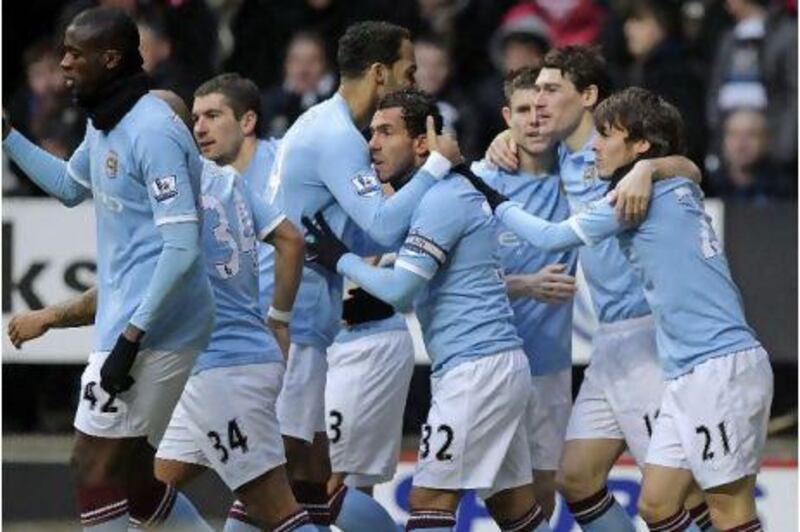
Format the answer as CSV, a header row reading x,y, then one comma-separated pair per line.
x,y
416,106
645,116
366,43
241,94
154,20
521,78
112,29
667,14
582,65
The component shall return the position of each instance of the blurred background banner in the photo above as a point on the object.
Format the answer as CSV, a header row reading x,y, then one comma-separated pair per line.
x,y
46,262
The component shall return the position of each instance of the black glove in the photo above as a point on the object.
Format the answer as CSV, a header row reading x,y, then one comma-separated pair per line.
x,y
494,197
363,307
115,374
325,249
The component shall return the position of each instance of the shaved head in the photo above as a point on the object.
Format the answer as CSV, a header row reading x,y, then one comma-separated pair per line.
x,y
104,28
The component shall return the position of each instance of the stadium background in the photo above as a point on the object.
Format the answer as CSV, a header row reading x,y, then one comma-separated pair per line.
x,y
735,85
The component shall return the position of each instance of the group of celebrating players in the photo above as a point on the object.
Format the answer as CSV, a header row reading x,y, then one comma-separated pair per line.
x,y
299,419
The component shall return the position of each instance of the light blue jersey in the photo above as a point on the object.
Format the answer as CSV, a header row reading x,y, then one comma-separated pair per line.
x,y
232,224
545,329
463,310
616,291
144,173
392,323
697,307
323,164
256,179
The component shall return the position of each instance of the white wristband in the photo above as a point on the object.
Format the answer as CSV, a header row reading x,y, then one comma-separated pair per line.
x,y
279,315
437,165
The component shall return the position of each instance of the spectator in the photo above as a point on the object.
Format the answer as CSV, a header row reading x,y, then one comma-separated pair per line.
x,y
661,64
522,39
160,62
746,171
434,75
572,21
307,81
756,66
465,27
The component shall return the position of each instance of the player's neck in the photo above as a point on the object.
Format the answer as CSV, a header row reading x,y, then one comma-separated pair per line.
x,y
581,134
246,152
360,98
536,165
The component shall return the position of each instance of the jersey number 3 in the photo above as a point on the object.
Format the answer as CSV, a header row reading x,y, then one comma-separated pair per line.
x,y
236,440
425,445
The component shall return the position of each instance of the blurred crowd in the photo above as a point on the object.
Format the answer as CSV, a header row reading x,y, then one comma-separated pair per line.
x,y
730,66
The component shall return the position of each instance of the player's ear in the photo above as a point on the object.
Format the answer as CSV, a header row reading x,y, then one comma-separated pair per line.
x,y
641,146
421,145
589,96
379,73
507,115
111,59
248,122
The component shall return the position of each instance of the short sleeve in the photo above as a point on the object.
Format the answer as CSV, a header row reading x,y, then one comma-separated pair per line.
x,y
163,156
597,222
266,217
436,227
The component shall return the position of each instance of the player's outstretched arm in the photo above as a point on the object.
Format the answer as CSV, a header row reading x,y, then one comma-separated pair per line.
x,y
75,312
44,169
396,286
632,194
385,219
539,232
289,255
551,285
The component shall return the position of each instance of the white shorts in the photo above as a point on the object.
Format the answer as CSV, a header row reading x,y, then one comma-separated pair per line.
x,y
226,420
713,420
547,417
365,396
622,388
301,403
476,435
142,411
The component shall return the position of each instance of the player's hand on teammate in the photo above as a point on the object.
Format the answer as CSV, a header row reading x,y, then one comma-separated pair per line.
x,y
115,374
631,196
29,325
280,330
445,144
324,248
493,197
502,152
552,284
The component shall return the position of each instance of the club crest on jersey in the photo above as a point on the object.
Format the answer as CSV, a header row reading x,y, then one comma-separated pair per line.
x,y
112,164
590,172
165,187
366,184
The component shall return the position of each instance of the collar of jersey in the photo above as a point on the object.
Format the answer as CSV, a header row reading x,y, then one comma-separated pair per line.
x,y
584,155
